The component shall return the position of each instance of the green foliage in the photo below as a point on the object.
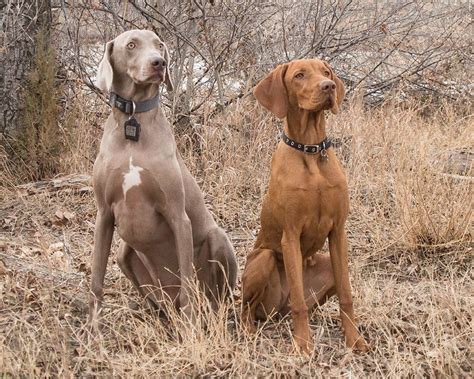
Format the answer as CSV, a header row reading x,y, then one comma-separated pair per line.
x,y
37,146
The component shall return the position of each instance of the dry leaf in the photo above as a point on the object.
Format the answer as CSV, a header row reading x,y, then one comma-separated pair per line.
x,y
69,215
63,217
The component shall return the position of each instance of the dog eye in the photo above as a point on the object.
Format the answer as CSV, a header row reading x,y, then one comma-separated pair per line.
x,y
299,75
161,46
131,45
327,73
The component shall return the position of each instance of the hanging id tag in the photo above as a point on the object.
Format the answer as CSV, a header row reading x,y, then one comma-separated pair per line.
x,y
132,129
324,155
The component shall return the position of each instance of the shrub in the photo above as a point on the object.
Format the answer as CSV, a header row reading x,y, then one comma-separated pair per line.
x,y
35,148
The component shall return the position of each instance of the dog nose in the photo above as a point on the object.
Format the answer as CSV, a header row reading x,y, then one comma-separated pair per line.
x,y
328,85
158,63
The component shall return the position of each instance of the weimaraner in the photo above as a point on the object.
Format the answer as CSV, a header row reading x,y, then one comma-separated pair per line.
x,y
143,187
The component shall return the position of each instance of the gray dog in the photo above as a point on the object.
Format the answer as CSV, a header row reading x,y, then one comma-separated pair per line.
x,y
143,187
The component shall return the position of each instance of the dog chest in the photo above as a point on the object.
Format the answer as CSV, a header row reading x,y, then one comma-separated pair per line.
x,y
141,225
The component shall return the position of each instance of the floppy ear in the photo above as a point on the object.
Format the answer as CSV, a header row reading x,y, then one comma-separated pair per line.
x,y
105,73
340,90
271,92
168,81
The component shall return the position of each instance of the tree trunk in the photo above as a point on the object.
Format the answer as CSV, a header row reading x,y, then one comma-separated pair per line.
x,y
19,24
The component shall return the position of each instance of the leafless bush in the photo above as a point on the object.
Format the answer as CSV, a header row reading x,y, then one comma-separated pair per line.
x,y
221,48
37,146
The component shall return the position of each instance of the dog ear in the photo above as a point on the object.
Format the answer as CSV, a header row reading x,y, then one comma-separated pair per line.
x,y
271,92
340,90
105,73
168,81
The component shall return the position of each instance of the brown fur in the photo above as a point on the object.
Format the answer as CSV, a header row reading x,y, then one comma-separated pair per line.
x,y
307,202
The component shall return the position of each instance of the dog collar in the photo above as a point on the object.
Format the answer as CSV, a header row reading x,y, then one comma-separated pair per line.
x,y
308,149
131,107
131,126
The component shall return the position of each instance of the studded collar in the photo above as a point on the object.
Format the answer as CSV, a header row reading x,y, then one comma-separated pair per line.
x,y
308,149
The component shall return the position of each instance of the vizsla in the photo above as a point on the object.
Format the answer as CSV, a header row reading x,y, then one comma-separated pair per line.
x,y
143,187
307,202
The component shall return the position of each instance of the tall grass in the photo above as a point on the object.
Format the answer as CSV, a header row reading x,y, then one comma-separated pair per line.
x,y
410,235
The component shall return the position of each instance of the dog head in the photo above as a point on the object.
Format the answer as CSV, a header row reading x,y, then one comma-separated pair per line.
x,y
308,84
138,55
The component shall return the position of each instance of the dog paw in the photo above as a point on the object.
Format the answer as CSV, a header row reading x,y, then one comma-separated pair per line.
x,y
249,327
247,322
303,346
358,345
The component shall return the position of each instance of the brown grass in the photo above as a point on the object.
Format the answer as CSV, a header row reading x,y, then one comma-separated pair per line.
x,y
410,234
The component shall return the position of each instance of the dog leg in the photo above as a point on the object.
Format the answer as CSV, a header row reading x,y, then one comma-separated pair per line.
x,y
339,260
294,273
172,207
134,269
104,229
217,266
258,288
183,238
319,282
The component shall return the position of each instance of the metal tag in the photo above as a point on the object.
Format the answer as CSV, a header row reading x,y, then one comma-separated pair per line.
x,y
324,155
132,129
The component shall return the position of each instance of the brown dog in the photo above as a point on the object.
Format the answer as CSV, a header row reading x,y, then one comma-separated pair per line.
x,y
307,202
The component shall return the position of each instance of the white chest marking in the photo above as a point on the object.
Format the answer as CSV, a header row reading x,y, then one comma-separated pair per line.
x,y
131,178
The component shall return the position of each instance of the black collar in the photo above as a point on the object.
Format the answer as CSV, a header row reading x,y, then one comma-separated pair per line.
x,y
308,149
131,107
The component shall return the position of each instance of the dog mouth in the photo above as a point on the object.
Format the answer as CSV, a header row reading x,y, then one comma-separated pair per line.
x,y
156,76
319,103
148,77
329,102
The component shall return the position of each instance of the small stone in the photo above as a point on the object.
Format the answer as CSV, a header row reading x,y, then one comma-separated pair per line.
x,y
58,254
58,246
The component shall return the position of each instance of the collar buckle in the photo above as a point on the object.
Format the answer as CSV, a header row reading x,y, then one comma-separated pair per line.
x,y
311,149
131,112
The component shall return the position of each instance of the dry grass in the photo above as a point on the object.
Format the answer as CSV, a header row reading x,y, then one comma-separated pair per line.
x,y
410,233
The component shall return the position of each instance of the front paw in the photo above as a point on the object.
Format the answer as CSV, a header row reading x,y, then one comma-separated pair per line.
x,y
358,344
303,346
248,323
302,338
